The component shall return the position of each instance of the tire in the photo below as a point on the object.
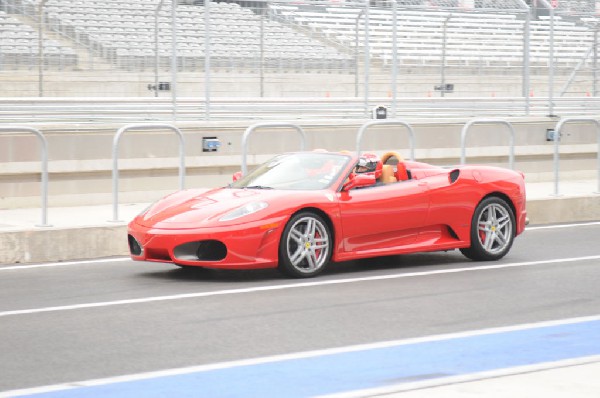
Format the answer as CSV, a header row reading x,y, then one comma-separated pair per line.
x,y
306,246
492,230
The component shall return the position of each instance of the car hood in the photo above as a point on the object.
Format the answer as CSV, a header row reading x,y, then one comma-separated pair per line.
x,y
196,208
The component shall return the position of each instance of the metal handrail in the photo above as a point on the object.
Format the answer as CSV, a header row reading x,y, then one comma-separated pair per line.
x,y
463,138
44,143
557,130
390,122
160,110
115,152
253,128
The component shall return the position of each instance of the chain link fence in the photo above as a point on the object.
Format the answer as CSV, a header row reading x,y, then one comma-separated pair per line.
x,y
383,49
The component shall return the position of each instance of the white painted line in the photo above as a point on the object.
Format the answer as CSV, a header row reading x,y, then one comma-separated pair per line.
x,y
291,286
65,263
300,355
560,226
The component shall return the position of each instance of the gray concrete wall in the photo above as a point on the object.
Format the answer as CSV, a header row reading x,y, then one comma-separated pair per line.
x,y
80,156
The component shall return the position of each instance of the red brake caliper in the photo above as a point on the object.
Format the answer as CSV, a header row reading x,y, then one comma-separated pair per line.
x,y
318,251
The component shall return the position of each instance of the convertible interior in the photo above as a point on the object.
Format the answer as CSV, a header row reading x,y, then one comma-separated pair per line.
x,y
394,168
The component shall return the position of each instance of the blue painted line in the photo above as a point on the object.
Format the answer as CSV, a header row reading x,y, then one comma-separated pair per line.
x,y
366,369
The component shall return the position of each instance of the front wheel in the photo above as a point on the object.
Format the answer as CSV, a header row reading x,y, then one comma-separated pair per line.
x,y
492,230
305,247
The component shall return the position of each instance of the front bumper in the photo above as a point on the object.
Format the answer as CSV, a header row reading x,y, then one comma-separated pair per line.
x,y
245,246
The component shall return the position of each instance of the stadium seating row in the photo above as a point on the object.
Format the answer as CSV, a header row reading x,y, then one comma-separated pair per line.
x,y
19,46
125,36
470,37
285,35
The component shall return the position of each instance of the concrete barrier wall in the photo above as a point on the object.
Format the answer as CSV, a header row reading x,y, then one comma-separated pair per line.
x,y
60,244
564,209
80,156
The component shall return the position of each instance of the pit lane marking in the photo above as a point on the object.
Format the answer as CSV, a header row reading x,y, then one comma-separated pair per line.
x,y
544,328
560,226
292,286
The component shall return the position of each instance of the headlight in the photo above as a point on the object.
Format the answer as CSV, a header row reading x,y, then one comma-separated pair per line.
x,y
245,210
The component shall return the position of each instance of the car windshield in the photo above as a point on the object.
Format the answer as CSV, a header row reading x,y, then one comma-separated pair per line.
x,y
296,171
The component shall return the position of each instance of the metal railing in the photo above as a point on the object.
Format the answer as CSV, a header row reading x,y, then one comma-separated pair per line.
x,y
254,127
115,155
136,110
44,159
557,131
367,125
465,130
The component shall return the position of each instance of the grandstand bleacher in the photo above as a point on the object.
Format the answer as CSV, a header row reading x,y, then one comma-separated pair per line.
x,y
114,41
19,46
490,38
300,36
122,33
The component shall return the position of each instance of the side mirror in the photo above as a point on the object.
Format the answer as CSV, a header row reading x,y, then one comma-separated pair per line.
x,y
359,181
237,175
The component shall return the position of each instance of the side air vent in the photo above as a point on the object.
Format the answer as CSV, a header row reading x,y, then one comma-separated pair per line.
x,y
454,175
452,233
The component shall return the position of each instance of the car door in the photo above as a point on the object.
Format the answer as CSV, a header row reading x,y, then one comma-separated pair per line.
x,y
377,219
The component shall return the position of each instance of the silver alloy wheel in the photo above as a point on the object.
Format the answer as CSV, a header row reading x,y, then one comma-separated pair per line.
x,y
307,245
494,228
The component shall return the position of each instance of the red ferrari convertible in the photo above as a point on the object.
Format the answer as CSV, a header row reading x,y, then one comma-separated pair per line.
x,y
299,211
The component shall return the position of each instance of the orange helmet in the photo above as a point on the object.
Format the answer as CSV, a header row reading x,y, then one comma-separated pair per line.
x,y
369,163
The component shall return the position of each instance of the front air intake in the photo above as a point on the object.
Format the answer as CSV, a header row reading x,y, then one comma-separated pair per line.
x,y
134,246
211,250
204,250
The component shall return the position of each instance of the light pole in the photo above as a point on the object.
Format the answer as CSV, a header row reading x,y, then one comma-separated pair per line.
x,y
41,48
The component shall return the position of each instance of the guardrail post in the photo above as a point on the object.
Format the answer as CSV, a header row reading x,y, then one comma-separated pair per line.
x,y
463,138
254,127
44,159
115,153
44,144
391,122
557,130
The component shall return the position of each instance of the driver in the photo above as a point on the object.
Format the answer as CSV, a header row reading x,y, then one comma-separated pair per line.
x,y
371,164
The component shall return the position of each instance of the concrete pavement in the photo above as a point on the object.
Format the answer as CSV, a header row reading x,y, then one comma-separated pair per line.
x,y
570,381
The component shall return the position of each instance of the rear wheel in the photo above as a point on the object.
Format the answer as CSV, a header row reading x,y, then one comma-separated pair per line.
x,y
492,230
305,247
